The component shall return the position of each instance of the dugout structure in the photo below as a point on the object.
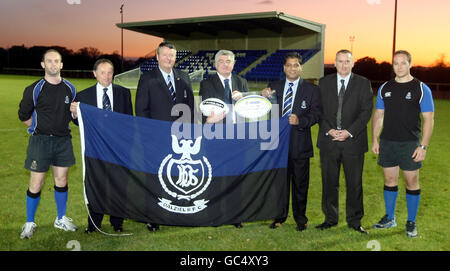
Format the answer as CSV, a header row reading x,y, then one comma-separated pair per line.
x,y
268,31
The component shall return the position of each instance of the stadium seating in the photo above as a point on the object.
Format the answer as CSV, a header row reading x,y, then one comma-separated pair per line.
x,y
153,63
271,68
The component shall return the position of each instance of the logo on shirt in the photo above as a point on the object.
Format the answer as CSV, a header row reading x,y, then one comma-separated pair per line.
x,y
387,94
408,96
66,101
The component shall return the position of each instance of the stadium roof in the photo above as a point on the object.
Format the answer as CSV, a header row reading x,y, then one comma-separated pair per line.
x,y
273,21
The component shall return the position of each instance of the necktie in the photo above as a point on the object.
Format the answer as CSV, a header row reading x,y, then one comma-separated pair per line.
x,y
287,104
340,100
227,93
170,86
106,101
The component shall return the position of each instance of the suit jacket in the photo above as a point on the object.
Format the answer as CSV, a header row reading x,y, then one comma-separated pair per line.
x,y
212,87
121,99
307,108
356,112
153,98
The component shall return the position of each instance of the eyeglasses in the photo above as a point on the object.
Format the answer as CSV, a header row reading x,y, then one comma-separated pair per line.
x,y
221,61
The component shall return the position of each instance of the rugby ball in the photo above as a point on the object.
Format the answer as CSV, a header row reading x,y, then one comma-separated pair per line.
x,y
253,106
213,104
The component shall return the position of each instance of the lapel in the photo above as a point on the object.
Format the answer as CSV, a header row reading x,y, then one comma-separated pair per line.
x,y
234,83
116,98
349,88
179,86
92,95
218,87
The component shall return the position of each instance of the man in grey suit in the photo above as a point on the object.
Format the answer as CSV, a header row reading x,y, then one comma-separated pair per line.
x,y
347,100
223,85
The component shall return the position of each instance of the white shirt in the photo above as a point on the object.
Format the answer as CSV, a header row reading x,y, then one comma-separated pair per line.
x,y
172,78
346,80
100,96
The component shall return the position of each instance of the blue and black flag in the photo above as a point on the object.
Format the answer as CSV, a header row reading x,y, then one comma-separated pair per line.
x,y
143,169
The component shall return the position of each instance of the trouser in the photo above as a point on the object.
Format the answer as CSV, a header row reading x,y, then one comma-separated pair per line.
x,y
331,162
298,177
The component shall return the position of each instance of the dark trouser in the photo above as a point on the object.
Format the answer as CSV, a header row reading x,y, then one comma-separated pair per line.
x,y
353,167
97,219
298,172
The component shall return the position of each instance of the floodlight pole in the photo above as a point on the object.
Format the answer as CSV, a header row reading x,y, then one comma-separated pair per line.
x,y
352,40
121,34
395,31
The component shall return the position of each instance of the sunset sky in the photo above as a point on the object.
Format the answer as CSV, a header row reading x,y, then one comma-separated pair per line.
x,y
423,27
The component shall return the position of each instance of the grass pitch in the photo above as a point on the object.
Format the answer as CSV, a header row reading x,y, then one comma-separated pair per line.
x,y
433,219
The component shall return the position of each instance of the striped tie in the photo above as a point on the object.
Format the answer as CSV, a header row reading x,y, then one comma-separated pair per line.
x,y
170,86
287,105
106,101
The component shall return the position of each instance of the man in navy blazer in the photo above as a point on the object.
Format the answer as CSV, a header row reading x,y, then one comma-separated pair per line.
x,y
303,107
119,100
165,94
154,98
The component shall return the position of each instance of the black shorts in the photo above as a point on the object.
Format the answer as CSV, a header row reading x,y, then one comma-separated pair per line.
x,y
44,150
396,153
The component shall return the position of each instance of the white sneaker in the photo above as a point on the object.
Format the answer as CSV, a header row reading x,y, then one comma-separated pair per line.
x,y
65,223
28,230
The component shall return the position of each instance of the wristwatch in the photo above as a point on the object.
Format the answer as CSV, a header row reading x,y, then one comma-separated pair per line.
x,y
423,147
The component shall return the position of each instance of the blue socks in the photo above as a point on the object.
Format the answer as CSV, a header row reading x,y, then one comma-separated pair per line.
x,y
412,202
390,198
32,204
61,200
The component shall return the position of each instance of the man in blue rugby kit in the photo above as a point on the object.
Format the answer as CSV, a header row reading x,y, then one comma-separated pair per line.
x,y
45,110
399,104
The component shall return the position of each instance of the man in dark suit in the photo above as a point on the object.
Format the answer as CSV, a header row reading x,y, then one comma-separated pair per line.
x,y
223,85
160,89
347,101
163,90
107,96
300,101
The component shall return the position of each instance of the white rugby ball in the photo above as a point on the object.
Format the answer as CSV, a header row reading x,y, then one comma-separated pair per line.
x,y
213,104
253,106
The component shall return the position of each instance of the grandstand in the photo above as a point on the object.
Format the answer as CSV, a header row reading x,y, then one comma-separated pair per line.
x,y
259,41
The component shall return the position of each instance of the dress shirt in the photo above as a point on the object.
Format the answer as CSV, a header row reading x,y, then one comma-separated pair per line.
x,y
100,95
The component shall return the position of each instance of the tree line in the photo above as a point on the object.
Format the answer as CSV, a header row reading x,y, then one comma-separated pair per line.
x,y
370,68
21,57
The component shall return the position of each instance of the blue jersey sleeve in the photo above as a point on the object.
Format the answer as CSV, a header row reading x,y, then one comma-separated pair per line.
x,y
426,104
380,103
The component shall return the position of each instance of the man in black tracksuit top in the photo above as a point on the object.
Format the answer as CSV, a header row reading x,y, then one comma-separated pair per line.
x,y
45,110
